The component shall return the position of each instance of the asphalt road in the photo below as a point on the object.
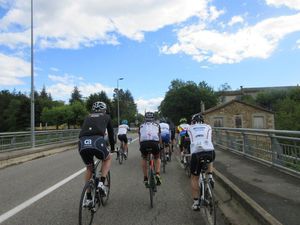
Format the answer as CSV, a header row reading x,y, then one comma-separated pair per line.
x,y
26,199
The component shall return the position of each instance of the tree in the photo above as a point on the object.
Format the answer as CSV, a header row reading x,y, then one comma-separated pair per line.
x,y
100,96
183,99
127,107
75,96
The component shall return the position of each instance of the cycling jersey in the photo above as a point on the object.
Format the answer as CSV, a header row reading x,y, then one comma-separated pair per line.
x,y
165,132
149,131
182,129
123,128
96,124
200,137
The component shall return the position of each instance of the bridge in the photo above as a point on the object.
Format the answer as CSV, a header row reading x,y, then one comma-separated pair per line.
x,y
256,172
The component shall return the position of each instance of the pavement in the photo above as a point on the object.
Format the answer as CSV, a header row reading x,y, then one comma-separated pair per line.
x,y
269,195
13,157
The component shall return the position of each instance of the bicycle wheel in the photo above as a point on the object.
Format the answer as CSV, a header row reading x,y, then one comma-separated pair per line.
x,y
151,181
105,198
163,159
121,155
86,213
209,205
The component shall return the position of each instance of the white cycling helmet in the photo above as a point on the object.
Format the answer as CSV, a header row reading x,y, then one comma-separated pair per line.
x,y
99,107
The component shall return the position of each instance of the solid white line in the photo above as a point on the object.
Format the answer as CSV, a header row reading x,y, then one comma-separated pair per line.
x,y
30,201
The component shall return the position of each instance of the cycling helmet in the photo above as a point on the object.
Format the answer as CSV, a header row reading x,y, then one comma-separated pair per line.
x,y
99,107
182,120
125,122
198,118
149,116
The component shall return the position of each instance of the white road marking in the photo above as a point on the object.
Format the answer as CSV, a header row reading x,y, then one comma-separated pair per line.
x,y
32,200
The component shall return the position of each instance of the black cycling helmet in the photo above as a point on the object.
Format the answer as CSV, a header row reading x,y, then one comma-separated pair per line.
x,y
197,118
99,107
149,116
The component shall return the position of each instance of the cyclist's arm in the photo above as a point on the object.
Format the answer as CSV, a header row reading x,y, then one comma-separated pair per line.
x,y
111,135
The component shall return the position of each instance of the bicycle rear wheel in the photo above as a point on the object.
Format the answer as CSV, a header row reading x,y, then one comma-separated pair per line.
x,y
121,155
105,198
209,205
86,213
163,159
151,181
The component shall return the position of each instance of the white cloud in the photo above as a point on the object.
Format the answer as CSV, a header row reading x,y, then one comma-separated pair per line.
x,y
214,13
236,19
148,104
12,70
258,41
88,22
65,84
298,43
293,4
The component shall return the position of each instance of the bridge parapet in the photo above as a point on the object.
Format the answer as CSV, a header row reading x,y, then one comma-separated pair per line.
x,y
280,148
19,140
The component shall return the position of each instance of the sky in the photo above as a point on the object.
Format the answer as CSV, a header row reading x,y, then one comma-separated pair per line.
x,y
91,44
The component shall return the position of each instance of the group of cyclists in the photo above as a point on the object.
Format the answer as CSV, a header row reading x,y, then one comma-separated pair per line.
x,y
194,138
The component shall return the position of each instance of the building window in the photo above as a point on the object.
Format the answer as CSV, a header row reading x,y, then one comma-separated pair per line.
x,y
218,122
238,121
258,122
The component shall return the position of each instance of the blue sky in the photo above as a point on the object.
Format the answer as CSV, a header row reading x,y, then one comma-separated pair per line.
x,y
92,43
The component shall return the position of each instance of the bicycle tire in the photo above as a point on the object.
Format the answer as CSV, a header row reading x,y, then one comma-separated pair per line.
x,y
209,206
151,181
164,161
121,154
104,199
86,214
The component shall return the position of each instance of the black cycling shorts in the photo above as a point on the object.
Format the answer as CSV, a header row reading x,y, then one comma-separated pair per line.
x,y
145,146
196,165
123,137
90,146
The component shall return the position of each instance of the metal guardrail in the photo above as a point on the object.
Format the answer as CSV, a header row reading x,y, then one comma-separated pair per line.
x,y
20,140
279,148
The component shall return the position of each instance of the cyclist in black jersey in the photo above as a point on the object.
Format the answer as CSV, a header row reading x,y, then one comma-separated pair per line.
x,y
92,142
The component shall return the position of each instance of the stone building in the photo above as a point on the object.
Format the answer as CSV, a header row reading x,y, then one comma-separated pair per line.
x,y
238,114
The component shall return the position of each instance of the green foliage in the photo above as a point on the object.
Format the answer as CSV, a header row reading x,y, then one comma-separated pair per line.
x,y
184,98
127,107
75,96
100,96
285,104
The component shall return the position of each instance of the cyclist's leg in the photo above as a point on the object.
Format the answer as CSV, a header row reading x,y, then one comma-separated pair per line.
x,y
195,172
143,147
125,142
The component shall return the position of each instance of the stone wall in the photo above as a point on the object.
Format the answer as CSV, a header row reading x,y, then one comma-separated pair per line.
x,y
229,112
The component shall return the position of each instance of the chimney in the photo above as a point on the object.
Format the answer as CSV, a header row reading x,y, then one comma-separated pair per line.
x,y
202,106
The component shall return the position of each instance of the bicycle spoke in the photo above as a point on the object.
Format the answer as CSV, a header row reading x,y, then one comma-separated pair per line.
x,y
86,212
209,206
103,198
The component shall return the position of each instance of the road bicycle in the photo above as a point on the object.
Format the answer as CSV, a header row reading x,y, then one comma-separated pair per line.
x,y
163,157
151,176
121,153
86,212
187,161
206,194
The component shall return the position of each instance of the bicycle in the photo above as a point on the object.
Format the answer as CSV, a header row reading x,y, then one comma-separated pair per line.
x,y
86,213
206,195
187,164
121,153
151,176
163,158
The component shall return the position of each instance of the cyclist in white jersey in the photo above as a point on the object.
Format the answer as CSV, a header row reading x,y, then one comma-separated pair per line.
x,y
201,148
149,138
165,134
122,136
